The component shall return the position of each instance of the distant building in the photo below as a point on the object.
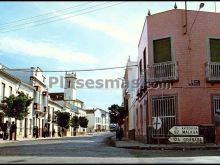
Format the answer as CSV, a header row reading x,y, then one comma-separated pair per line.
x,y
68,99
129,98
98,120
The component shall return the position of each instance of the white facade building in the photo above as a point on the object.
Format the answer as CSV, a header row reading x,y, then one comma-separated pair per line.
x,y
98,120
34,77
12,85
130,92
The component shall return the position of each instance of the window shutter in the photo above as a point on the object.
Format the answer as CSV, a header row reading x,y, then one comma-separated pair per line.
x,y
162,50
215,50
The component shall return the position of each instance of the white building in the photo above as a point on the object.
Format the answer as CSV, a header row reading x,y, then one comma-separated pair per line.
x,y
130,96
12,85
69,100
53,107
35,78
98,120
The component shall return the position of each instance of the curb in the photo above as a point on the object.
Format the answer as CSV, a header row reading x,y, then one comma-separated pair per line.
x,y
169,148
183,148
36,139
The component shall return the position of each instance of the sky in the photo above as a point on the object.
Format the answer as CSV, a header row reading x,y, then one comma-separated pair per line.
x,y
79,35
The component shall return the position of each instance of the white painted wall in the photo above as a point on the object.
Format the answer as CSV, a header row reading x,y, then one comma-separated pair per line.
x,y
91,124
132,75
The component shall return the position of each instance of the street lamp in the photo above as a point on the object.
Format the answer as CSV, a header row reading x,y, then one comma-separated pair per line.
x,y
200,6
189,35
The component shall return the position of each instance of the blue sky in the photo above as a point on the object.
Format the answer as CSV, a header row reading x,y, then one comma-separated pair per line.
x,y
104,38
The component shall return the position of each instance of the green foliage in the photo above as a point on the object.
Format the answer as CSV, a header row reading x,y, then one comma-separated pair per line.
x,y
63,119
83,122
117,113
74,122
17,106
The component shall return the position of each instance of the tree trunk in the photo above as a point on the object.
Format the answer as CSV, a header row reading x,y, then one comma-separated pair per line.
x,y
15,130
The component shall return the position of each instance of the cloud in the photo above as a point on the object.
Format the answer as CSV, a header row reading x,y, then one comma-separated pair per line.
x,y
44,49
111,30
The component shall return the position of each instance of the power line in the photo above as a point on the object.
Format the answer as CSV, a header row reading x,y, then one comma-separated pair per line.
x,y
47,19
76,70
36,16
63,19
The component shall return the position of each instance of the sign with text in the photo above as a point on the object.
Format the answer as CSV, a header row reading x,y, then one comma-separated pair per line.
x,y
186,139
185,130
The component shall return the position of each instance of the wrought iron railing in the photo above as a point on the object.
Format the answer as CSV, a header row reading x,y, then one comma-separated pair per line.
x,y
213,71
160,72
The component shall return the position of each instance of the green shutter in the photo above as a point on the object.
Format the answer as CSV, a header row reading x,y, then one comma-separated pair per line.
x,y
162,50
215,50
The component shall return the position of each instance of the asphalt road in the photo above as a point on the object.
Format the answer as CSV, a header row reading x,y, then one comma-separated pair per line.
x,y
92,149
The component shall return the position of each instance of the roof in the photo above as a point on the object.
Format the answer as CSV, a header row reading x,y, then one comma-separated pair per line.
x,y
77,100
90,110
55,103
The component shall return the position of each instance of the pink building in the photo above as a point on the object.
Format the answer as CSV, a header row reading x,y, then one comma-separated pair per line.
x,y
179,54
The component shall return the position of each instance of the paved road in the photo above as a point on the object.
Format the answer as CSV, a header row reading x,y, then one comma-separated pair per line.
x,y
92,149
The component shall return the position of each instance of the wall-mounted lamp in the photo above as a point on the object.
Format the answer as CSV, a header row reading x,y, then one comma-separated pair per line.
x,y
200,6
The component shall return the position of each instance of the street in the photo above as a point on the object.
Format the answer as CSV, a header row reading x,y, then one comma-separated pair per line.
x,y
92,149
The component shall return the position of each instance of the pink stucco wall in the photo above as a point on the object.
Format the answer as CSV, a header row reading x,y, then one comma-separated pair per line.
x,y
194,102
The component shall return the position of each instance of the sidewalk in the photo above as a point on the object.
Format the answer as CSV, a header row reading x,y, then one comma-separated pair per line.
x,y
132,144
42,138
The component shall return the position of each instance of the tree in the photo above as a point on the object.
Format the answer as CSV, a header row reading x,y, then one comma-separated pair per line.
x,y
83,122
74,122
16,106
63,119
117,113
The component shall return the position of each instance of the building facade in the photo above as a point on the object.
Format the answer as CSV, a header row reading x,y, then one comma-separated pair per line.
x,y
69,100
178,67
129,98
99,120
12,85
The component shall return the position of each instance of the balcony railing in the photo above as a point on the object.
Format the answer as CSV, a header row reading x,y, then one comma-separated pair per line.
x,y
213,71
160,72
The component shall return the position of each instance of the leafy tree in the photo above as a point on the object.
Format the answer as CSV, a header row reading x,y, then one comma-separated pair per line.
x,y
63,119
117,113
83,122
16,106
74,122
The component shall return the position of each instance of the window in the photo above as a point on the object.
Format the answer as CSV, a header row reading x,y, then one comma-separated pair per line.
x,y
10,90
216,108
162,50
214,50
3,91
165,108
144,56
140,67
69,84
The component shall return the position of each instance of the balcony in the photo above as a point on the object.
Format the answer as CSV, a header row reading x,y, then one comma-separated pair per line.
x,y
162,72
213,71
36,107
